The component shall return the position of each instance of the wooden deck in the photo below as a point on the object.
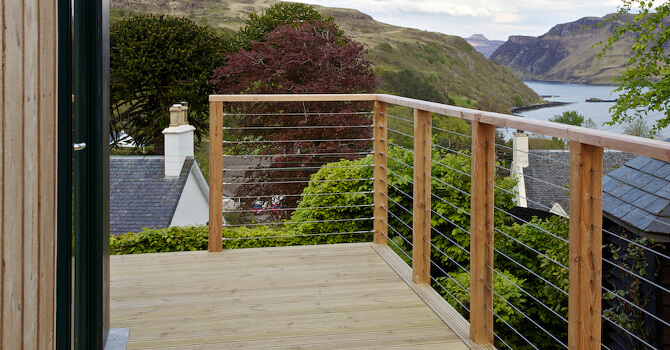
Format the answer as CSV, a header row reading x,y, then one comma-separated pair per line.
x,y
315,297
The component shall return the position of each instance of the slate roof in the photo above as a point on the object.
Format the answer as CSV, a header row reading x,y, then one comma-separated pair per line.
x,y
547,176
637,195
140,195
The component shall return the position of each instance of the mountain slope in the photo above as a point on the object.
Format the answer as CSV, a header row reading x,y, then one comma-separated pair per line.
x,y
483,45
567,53
447,65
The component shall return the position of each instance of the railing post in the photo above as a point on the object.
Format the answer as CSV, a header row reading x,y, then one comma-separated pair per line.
x,y
380,148
481,232
215,176
421,221
585,291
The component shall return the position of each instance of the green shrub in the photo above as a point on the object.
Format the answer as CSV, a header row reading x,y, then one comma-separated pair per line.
x,y
178,239
171,239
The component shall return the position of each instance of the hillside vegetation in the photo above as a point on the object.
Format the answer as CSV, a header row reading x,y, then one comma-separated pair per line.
x,y
408,62
567,53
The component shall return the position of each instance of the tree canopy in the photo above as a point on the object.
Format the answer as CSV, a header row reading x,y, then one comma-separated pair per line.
x,y
157,61
282,13
308,57
645,82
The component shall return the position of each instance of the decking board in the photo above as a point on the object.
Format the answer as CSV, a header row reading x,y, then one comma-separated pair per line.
x,y
314,297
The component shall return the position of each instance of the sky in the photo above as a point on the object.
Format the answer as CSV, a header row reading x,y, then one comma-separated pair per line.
x,y
496,19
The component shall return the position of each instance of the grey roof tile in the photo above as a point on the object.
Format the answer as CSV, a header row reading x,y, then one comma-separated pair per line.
x,y
140,195
644,200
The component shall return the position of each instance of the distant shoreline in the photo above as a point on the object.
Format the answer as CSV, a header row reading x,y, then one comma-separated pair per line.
x,y
539,106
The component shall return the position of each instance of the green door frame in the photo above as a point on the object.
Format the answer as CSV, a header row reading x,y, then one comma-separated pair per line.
x,y
89,68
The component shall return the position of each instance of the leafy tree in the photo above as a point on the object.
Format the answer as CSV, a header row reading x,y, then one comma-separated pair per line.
x,y
589,123
157,61
280,14
645,82
638,127
294,59
568,117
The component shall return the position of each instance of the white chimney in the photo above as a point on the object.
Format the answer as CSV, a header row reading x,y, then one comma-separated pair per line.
x,y
178,140
520,161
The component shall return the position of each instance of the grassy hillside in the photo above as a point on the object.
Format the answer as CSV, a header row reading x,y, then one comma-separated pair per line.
x,y
408,62
567,53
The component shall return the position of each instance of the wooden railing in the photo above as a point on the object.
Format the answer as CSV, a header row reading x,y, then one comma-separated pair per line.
x,y
585,236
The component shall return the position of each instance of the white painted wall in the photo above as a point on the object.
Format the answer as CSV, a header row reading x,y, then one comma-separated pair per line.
x,y
193,206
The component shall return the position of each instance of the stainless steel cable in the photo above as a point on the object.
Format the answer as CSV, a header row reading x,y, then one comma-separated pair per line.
x,y
529,247
401,250
513,329
451,150
401,147
666,323
531,224
449,239
526,198
326,155
302,208
528,318
400,176
634,243
528,270
296,114
301,222
628,332
299,168
449,167
531,296
292,236
301,194
401,133
452,132
401,162
635,274
455,206
292,182
399,219
296,141
298,127
398,233
451,295
450,186
399,190
531,154
448,257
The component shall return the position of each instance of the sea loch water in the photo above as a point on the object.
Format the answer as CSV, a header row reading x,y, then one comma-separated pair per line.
x,y
576,95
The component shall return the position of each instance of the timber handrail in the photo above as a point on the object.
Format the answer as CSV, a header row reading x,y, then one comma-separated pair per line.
x,y
585,236
607,139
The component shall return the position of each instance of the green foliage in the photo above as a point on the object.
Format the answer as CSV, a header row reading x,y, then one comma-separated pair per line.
x,y
451,183
638,127
321,183
568,117
157,61
279,14
457,286
177,239
518,101
171,239
514,245
645,82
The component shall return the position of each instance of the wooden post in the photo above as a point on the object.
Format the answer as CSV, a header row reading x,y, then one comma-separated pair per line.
x,y
421,222
481,232
585,292
380,147
215,176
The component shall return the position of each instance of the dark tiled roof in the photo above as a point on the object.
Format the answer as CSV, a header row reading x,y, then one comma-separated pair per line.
x,y
637,195
140,195
547,176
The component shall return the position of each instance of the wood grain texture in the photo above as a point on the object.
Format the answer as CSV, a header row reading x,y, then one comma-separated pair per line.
x,y
380,149
481,232
28,174
215,176
292,98
585,293
272,298
421,202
